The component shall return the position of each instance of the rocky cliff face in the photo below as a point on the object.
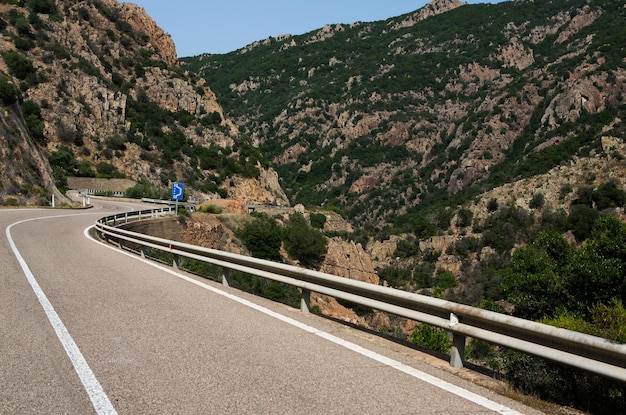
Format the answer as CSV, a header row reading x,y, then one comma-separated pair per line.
x,y
108,89
26,176
140,22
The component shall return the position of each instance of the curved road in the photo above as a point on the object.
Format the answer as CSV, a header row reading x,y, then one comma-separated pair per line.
x,y
87,329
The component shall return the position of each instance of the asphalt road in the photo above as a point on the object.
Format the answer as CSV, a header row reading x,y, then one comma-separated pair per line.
x,y
132,338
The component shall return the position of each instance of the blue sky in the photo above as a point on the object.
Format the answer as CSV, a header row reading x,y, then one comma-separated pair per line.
x,y
209,26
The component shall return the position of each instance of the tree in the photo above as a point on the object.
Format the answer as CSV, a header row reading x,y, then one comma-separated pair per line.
x,y
318,220
8,91
581,220
492,205
608,196
32,116
304,243
597,271
262,237
464,219
534,284
42,6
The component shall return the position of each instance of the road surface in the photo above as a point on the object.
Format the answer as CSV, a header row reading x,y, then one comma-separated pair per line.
x,y
87,329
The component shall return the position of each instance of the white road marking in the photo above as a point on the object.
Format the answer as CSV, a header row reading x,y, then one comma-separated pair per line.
x,y
449,387
98,397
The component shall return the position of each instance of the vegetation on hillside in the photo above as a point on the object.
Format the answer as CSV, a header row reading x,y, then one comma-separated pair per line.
x,y
320,88
121,116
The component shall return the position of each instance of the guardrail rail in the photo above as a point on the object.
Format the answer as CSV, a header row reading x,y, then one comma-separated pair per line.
x,y
583,351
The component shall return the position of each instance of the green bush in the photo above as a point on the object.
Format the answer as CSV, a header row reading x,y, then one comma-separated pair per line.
x,y
445,279
534,284
106,170
42,6
564,385
464,219
581,220
8,91
262,237
432,338
608,195
144,189
395,276
304,243
212,209
492,205
318,220
19,65
32,116
537,201
407,248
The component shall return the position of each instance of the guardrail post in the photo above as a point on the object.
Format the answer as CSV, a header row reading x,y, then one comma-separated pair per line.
x,y
177,261
305,301
142,250
225,276
457,352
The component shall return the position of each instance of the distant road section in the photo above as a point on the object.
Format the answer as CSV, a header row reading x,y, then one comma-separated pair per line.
x,y
137,337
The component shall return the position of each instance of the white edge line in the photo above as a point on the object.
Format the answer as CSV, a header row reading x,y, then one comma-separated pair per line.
x,y
449,387
98,397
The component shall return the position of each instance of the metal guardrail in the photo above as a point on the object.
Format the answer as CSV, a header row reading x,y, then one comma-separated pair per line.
x,y
187,205
590,353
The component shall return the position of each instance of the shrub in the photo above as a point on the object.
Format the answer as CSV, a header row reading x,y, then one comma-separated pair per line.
x,y
8,91
395,276
64,159
464,218
534,284
42,6
464,246
432,338
19,65
32,116
210,209
304,243
608,196
537,201
423,274
143,189
581,220
84,169
445,279
407,248
107,171
318,220
610,320
563,385
262,237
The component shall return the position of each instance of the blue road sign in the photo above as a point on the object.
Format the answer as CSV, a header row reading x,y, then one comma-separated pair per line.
x,y
177,191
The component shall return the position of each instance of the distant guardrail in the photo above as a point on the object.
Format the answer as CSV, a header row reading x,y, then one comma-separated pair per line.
x,y
590,353
187,205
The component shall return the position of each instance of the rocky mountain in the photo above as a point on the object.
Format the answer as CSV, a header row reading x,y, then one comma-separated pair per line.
x,y
386,119
93,88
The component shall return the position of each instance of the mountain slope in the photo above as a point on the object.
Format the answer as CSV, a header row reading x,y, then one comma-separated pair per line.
x,y
376,118
99,87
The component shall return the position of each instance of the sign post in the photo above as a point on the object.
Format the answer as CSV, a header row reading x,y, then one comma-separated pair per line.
x,y
178,189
